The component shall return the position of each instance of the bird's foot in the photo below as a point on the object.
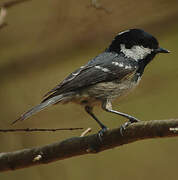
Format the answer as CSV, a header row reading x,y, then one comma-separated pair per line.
x,y
125,125
102,132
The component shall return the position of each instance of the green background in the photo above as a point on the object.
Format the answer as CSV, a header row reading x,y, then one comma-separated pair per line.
x,y
47,39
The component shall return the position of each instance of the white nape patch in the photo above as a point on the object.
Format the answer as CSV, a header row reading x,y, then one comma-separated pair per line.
x,y
118,64
102,68
136,52
124,32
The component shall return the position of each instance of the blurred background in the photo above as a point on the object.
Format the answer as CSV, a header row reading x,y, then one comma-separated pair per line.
x,y
47,39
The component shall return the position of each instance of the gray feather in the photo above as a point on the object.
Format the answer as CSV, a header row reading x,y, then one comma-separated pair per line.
x,y
41,106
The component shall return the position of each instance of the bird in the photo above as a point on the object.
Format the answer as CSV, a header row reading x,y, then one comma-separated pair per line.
x,y
110,75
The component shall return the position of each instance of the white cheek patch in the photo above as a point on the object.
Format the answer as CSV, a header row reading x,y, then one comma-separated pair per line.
x,y
136,52
102,68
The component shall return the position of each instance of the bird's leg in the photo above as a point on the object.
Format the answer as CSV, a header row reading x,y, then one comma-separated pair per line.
x,y
88,109
107,106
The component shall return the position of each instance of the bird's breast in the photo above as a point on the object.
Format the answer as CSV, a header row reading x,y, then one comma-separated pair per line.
x,y
113,89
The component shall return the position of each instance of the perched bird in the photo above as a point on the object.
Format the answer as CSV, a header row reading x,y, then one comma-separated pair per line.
x,y
106,77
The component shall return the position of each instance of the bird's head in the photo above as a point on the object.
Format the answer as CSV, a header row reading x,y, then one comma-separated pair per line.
x,y
136,44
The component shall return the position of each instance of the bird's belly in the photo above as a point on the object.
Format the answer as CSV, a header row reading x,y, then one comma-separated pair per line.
x,y
111,90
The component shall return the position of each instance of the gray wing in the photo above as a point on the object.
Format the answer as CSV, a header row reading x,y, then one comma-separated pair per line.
x,y
68,79
103,68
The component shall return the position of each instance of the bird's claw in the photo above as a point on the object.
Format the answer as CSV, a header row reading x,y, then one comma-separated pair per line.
x,y
102,132
125,125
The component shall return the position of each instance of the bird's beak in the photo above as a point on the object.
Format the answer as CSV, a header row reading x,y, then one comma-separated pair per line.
x,y
161,50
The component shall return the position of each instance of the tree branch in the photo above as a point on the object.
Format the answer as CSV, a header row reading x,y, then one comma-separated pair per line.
x,y
88,144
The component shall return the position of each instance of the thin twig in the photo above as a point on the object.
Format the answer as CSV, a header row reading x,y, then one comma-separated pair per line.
x,y
85,132
3,10
38,129
3,14
12,3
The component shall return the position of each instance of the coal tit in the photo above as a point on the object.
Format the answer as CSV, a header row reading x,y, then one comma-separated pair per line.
x,y
108,76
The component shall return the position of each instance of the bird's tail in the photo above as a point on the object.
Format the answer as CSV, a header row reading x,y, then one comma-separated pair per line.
x,y
42,105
